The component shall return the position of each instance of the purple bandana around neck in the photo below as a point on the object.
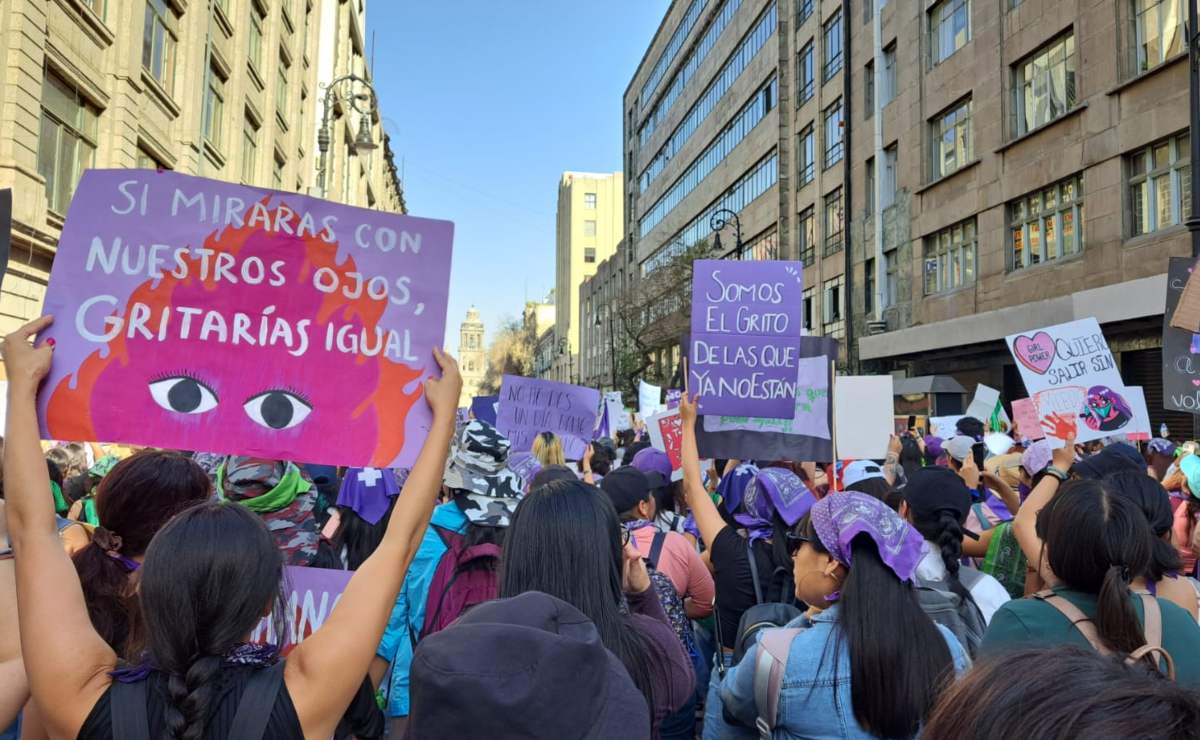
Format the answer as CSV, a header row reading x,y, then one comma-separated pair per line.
x,y
368,491
840,517
244,653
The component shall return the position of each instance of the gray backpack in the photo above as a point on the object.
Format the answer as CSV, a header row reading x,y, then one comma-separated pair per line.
x,y
961,616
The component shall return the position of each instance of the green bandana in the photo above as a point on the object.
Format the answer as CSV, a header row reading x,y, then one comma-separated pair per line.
x,y
60,503
291,485
89,511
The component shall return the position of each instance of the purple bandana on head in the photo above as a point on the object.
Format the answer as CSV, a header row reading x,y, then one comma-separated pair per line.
x,y
367,492
840,517
772,490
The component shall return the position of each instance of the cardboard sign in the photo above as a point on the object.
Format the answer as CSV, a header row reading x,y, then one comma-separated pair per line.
x,y
1070,369
666,434
806,436
484,408
1029,424
1181,361
648,399
197,314
746,319
862,412
1139,427
530,406
312,593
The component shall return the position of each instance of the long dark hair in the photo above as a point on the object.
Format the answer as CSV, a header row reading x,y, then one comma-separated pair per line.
x,y
1096,542
359,537
1063,692
899,660
1154,501
137,497
565,540
943,531
209,576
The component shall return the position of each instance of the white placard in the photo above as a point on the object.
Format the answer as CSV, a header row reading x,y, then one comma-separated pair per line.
x,y
649,399
863,416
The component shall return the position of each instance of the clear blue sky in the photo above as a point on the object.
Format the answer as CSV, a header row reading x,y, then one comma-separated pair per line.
x,y
488,103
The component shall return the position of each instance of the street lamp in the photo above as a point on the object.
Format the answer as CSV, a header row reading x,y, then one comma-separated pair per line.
x,y
1193,41
720,219
364,103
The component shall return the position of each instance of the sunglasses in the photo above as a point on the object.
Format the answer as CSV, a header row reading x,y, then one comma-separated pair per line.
x,y
626,535
794,541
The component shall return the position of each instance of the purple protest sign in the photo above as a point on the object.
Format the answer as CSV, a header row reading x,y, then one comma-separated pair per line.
x,y
746,323
484,408
311,595
673,396
203,315
530,406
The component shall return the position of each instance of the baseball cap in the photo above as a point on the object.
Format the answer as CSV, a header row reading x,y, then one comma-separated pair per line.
x,y
861,470
652,460
959,447
1036,457
626,488
934,489
1189,465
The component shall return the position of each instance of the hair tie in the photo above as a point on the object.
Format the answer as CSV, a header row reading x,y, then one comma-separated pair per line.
x,y
1125,576
111,543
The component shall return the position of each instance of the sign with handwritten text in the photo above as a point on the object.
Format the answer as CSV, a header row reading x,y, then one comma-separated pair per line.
x,y
1025,414
1071,373
312,593
1181,348
205,315
530,406
746,321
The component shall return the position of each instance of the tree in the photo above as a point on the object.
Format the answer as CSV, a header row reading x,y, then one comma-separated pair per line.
x,y
511,353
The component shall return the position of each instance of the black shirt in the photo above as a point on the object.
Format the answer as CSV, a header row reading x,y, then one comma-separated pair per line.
x,y
735,584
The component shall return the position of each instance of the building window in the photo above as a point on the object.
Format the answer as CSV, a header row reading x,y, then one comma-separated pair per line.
x,y
808,236
832,309
589,200
256,36
147,161
1158,31
97,7
950,258
887,195
1160,185
277,172
249,149
589,255
869,90
869,185
834,218
833,134
1047,224
807,155
832,36
804,10
67,143
281,92
869,285
214,108
949,28
952,145
868,10
809,295
1045,84
589,228
158,42
804,74
887,84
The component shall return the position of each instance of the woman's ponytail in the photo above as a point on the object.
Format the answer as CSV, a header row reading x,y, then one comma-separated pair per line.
x,y
105,580
190,699
1116,620
948,538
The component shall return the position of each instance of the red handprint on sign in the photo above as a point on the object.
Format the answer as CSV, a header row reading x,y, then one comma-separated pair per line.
x,y
1059,426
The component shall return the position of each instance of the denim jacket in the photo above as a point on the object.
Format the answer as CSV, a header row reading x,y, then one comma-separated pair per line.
x,y
814,698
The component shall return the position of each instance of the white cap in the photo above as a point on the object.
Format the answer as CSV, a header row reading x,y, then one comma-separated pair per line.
x,y
860,470
959,447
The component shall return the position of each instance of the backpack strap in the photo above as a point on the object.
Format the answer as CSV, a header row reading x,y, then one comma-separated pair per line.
x,y
656,548
984,523
127,710
769,668
758,593
1075,615
1153,628
258,698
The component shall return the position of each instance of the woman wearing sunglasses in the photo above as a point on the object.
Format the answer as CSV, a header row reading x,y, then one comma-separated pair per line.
x,y
869,663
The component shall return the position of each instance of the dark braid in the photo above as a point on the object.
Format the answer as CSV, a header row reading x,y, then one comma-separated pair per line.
x,y
187,712
948,536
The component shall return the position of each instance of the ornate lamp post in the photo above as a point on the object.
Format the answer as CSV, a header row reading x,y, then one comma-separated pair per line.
x,y
720,219
348,89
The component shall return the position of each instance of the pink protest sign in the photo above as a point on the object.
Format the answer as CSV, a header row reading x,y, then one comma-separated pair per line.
x,y
204,315
1025,414
311,595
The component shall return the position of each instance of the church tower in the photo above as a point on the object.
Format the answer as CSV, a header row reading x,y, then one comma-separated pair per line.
x,y
472,359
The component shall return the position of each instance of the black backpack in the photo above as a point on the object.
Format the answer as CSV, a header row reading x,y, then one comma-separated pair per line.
x,y
763,615
961,616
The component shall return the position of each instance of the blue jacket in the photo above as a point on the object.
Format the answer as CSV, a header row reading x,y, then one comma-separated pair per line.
x,y
408,615
815,695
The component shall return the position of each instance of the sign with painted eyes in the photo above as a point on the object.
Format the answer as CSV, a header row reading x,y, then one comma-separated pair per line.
x,y
202,315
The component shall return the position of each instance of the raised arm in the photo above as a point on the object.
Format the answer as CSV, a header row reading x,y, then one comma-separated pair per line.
x,y
64,656
1024,523
708,519
324,672
1011,500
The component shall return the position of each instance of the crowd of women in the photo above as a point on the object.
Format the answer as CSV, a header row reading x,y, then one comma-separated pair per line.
x,y
944,591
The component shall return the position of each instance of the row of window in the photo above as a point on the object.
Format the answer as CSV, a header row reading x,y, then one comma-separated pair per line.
x,y
833,223
742,124
673,46
760,178
707,102
687,70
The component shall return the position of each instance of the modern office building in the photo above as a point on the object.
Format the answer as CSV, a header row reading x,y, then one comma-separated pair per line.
x,y
227,90
589,222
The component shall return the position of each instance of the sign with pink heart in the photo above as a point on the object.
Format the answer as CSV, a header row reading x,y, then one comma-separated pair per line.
x,y
1073,378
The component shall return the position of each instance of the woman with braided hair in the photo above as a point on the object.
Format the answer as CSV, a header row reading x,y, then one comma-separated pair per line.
x,y
936,502
208,577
